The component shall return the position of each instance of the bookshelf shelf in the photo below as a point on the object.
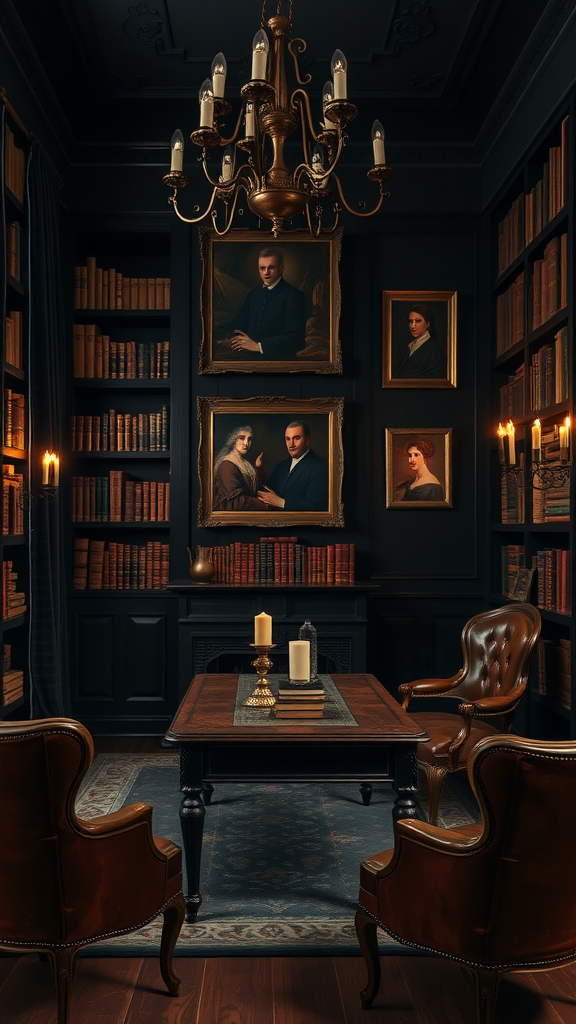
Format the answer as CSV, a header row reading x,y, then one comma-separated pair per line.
x,y
14,453
122,384
14,201
541,238
79,456
5,709
13,371
13,623
13,539
124,525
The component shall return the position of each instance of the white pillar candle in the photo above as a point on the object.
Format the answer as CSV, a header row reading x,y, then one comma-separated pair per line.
x,y
536,441
299,660
46,460
262,630
564,435
511,433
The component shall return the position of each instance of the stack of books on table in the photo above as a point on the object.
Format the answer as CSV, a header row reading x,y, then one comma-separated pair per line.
x,y
300,701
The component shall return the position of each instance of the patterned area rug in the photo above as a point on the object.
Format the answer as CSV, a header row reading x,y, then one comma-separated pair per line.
x,y
280,863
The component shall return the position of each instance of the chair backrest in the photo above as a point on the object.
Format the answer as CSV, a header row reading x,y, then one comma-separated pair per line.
x,y
496,647
41,766
522,903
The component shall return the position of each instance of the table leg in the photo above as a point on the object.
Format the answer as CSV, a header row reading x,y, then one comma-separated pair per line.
x,y
207,793
192,813
406,785
366,793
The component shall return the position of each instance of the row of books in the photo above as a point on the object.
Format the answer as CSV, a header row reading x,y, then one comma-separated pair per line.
x,y
510,316
12,501
12,686
119,498
13,600
282,560
13,338
513,558
14,165
553,568
95,288
115,431
14,419
530,213
96,356
551,505
512,397
98,565
549,372
554,664
548,282
13,249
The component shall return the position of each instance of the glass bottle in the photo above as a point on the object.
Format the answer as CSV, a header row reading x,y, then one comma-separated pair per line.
x,y
307,632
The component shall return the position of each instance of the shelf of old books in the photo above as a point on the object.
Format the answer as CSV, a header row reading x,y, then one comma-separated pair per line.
x,y
533,388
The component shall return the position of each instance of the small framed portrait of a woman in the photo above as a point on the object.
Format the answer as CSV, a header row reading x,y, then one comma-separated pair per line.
x,y
270,461
419,468
419,340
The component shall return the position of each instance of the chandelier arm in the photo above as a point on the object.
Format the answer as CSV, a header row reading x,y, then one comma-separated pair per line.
x,y
230,218
300,97
358,213
191,220
234,136
301,48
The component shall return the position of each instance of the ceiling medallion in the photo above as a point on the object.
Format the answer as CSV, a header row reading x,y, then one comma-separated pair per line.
x,y
253,156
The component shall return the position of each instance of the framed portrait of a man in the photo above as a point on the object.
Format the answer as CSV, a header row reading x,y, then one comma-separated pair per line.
x,y
419,339
419,468
270,461
270,306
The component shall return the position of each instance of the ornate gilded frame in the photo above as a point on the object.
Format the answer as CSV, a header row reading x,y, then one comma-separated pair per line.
x,y
445,305
398,473
283,410
316,266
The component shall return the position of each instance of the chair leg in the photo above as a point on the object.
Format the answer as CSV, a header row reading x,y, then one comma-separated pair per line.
x,y
435,777
486,987
64,965
173,921
366,930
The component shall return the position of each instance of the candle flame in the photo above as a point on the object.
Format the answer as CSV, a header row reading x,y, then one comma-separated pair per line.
x,y
501,430
509,428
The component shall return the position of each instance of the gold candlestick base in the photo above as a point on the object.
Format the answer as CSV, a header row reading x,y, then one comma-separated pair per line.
x,y
262,696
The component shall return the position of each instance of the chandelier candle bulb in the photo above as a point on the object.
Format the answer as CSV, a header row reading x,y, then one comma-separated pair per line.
x,y
327,97
250,121
227,165
177,151
378,144
536,441
299,660
260,47
262,630
206,97
339,66
511,435
219,68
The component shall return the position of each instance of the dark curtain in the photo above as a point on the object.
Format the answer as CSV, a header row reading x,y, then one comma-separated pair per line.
x,y
48,638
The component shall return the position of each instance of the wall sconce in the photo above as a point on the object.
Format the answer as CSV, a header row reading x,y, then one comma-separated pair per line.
x,y
541,477
50,469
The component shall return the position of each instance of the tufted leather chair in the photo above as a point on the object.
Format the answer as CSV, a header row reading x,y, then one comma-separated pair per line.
x,y
496,646
496,897
66,882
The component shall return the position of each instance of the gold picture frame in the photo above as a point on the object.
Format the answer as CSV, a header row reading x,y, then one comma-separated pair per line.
x,y
308,303
229,488
421,478
433,358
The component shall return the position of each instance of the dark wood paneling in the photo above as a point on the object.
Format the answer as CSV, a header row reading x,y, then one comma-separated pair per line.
x,y
95,654
147,664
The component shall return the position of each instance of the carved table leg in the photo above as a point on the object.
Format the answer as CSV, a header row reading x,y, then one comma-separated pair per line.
x,y
406,785
192,814
366,793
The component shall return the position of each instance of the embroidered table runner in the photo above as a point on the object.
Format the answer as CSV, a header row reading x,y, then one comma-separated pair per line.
x,y
336,710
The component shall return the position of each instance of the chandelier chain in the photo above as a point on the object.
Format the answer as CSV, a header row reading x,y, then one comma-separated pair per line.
x,y
278,11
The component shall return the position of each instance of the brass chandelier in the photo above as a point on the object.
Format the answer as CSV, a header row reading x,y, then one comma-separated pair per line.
x,y
269,114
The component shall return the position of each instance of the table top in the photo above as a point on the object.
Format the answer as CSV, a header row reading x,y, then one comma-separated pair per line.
x,y
206,714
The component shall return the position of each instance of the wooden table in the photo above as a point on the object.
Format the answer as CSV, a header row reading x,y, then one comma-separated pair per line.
x,y
382,748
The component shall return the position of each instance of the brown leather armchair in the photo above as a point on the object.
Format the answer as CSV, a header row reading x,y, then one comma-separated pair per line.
x,y
496,646
496,897
66,882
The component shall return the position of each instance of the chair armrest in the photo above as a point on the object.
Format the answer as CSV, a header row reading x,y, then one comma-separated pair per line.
x,y
449,840
428,688
498,705
116,821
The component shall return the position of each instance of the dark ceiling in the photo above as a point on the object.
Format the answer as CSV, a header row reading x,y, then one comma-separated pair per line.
x,y
109,67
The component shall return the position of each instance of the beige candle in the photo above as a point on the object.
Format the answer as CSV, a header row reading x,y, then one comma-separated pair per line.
x,y
339,67
536,441
511,433
262,630
177,146
206,97
299,660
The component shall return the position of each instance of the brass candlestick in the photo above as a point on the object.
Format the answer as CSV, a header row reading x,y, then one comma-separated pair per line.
x,y
262,696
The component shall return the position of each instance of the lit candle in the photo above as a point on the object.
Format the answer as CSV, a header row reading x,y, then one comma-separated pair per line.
x,y
219,68
260,47
250,121
299,660
46,460
262,630
206,97
378,143
564,434
536,441
227,164
339,66
501,449
56,467
511,434
50,470
327,97
177,146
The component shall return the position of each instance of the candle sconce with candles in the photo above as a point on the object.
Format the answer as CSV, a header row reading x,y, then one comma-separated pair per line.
x,y
541,477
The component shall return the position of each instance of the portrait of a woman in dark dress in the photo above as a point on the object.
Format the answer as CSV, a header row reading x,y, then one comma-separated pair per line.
x,y
423,486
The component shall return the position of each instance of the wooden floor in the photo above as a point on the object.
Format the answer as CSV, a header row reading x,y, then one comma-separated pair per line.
x,y
273,990
276,990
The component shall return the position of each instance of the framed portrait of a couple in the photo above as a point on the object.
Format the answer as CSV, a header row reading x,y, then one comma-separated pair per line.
x,y
270,462
270,306
419,339
419,468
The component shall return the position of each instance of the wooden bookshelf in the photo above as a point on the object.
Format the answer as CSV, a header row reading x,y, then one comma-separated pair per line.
x,y
533,379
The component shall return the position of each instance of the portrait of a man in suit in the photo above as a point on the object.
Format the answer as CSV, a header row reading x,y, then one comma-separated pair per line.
x,y
419,340
298,483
